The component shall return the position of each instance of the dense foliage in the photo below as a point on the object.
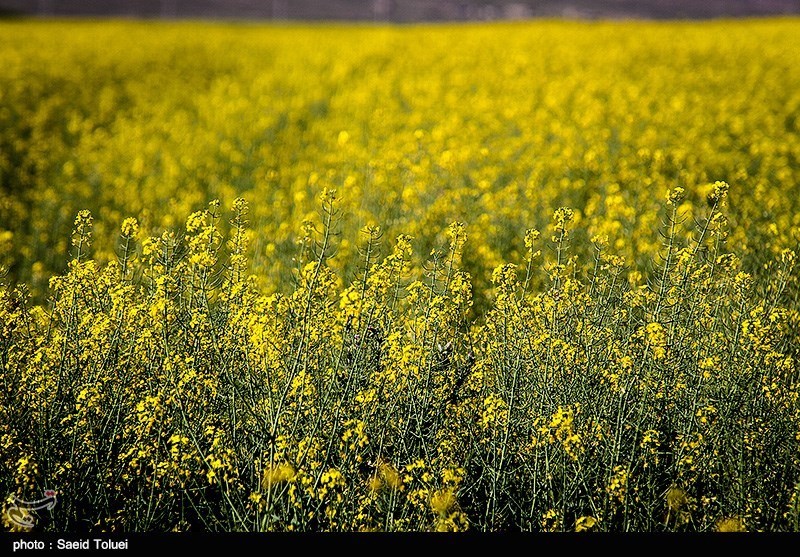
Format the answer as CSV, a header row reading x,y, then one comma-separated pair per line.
x,y
457,278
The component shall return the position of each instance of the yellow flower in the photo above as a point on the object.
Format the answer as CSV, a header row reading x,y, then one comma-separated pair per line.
x,y
657,339
442,501
618,485
276,475
562,217
675,195
585,523
391,476
730,524
130,228
375,484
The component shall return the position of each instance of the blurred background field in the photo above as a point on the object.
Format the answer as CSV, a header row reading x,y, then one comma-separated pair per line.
x,y
494,125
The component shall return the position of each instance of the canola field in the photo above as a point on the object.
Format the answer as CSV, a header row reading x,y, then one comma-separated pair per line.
x,y
532,276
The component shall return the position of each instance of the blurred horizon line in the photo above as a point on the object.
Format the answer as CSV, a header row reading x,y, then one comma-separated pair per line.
x,y
401,11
